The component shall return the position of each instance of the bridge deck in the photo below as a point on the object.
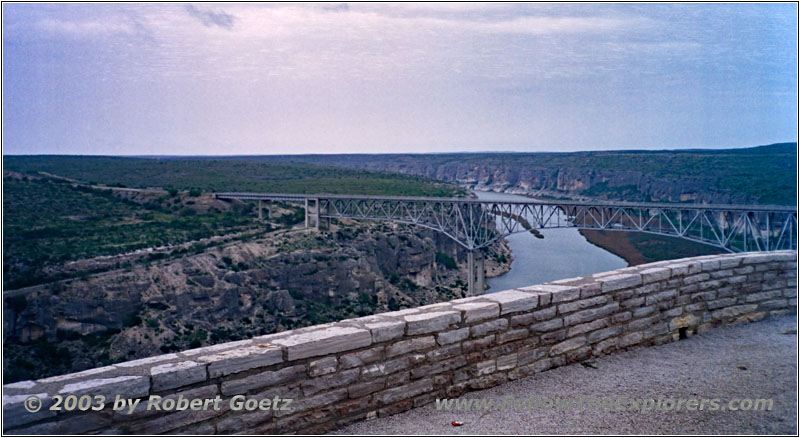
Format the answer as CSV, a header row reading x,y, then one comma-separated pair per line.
x,y
478,223
251,196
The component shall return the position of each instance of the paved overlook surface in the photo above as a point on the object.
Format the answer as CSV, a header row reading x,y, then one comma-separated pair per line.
x,y
756,360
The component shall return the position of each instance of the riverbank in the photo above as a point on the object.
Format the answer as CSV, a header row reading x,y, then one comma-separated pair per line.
x,y
561,253
640,248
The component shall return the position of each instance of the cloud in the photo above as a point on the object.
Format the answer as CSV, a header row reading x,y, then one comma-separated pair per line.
x,y
212,18
341,7
84,28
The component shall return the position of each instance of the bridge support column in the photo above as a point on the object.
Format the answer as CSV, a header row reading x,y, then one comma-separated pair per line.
x,y
479,285
471,273
260,211
312,213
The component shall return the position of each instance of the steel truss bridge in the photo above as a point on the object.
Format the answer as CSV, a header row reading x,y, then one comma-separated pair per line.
x,y
477,223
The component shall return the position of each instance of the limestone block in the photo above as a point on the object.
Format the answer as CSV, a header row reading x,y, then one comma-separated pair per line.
x,y
321,367
653,275
478,311
617,282
547,326
729,262
591,289
514,301
386,330
512,335
763,296
430,322
485,367
720,303
241,359
569,344
338,380
587,327
599,335
452,336
323,342
590,314
203,351
406,391
582,304
488,327
360,358
629,339
385,368
124,386
660,296
732,311
507,362
545,314
415,344
683,322
361,389
263,380
15,414
174,375
559,294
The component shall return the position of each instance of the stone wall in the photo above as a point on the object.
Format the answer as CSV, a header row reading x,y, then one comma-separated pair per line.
x,y
384,364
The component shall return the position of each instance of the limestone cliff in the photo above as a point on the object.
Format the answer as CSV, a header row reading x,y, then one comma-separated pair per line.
x,y
288,279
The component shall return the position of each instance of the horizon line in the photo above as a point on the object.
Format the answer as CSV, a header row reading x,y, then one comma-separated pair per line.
x,y
404,153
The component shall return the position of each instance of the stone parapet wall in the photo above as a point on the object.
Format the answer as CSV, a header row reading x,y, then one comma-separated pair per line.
x,y
387,363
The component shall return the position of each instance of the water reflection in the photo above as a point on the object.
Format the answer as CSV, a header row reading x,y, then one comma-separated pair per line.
x,y
563,253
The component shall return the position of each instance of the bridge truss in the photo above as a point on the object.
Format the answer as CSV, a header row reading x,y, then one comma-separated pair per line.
x,y
475,224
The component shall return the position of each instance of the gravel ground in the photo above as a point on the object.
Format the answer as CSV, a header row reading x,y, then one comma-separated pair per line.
x,y
757,360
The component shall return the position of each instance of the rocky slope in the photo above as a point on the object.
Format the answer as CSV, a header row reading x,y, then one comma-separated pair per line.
x,y
288,279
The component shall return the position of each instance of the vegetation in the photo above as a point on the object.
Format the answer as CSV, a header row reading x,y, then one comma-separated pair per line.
x,y
446,260
241,174
50,222
57,217
639,248
764,174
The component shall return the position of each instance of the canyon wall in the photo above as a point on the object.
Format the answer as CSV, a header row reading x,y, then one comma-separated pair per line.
x,y
245,289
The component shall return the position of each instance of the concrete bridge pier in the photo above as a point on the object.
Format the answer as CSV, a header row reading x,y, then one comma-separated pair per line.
x,y
481,275
312,212
475,268
261,209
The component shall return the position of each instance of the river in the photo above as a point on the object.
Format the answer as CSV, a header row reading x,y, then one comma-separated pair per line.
x,y
563,253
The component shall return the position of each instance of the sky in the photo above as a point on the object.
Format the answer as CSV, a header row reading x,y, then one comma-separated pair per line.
x,y
230,79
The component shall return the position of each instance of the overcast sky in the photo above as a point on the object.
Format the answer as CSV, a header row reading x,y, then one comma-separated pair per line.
x,y
171,79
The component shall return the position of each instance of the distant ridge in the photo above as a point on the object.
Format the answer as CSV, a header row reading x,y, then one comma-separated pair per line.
x,y
784,148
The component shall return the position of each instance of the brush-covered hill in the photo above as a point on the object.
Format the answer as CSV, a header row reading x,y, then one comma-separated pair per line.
x,y
762,175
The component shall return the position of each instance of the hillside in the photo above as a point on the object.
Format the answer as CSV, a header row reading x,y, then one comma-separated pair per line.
x,y
219,175
763,175
55,214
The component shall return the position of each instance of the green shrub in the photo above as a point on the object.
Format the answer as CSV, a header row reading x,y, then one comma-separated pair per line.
x,y
446,261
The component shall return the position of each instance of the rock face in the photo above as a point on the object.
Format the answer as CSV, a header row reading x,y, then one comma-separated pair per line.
x,y
289,279
723,176
561,181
